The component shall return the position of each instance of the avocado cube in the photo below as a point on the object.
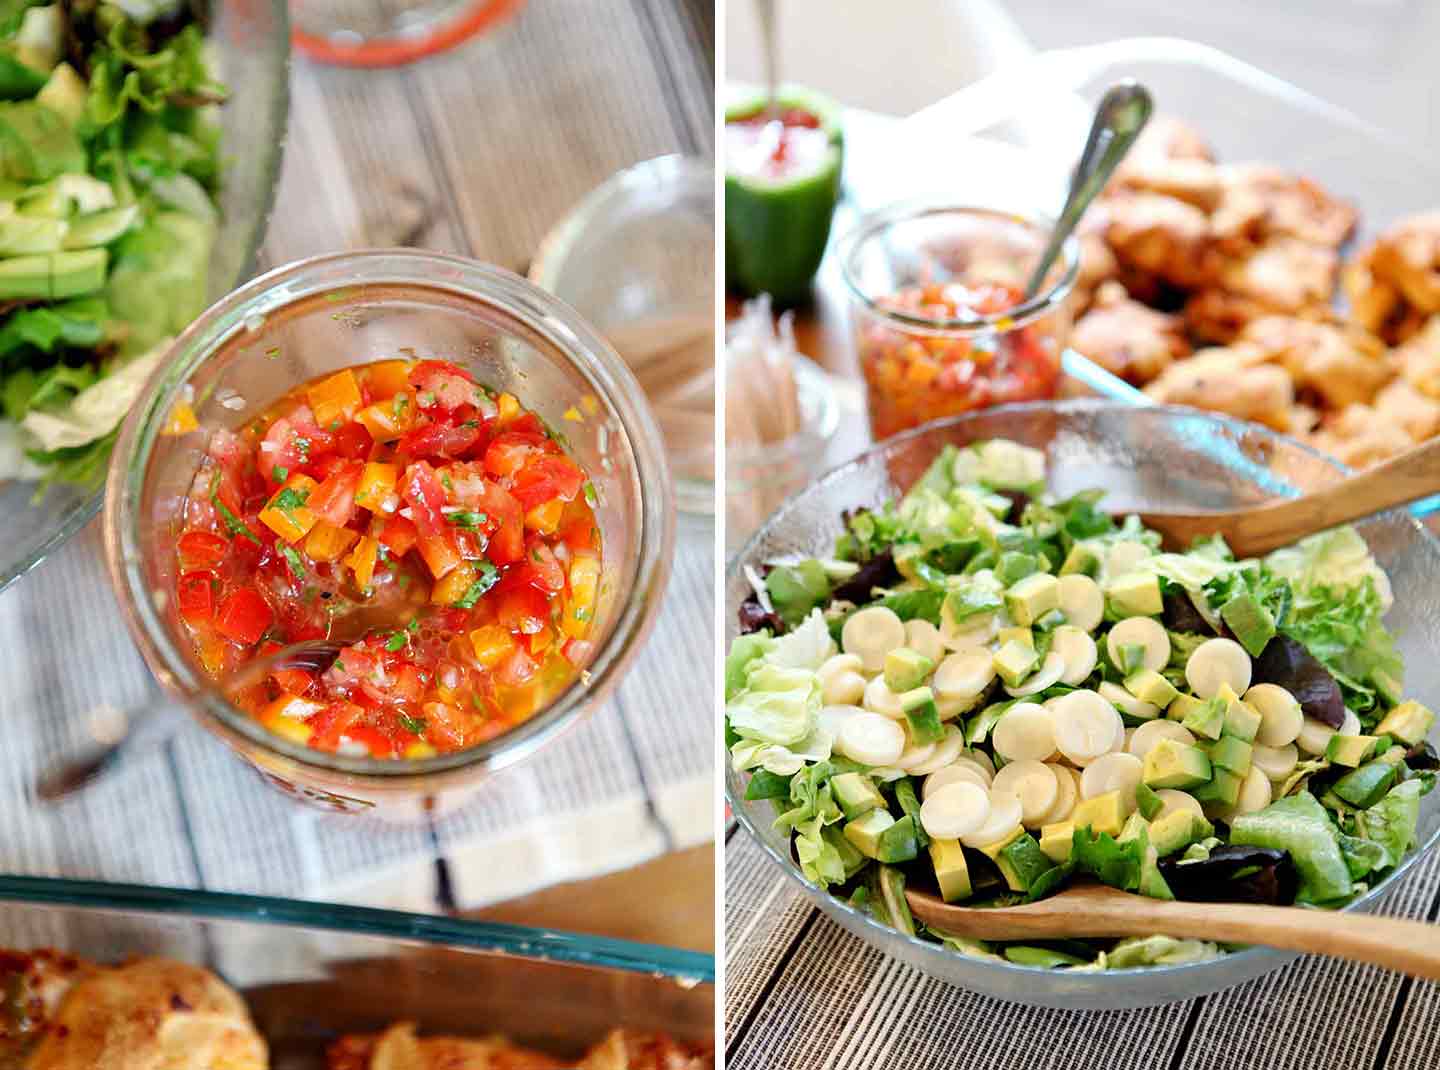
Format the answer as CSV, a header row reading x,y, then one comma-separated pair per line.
x,y
1223,788
76,273
1135,594
1177,830
1182,706
1207,720
865,831
924,717
1251,622
1103,813
898,842
1082,560
25,278
1033,597
1134,828
1231,754
1350,750
1172,764
1409,722
1015,566
1242,720
951,870
1014,661
1152,881
1052,620
856,793
851,859
1366,786
1057,840
1021,862
992,850
1148,803
1149,686
1016,634
906,669
905,555
969,607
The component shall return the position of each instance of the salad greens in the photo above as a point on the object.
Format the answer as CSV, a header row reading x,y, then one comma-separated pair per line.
x,y
109,173
988,693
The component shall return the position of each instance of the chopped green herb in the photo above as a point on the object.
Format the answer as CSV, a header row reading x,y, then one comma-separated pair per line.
x,y
590,496
414,625
292,558
396,641
340,664
427,399
471,423
445,481
403,580
303,445
466,520
280,473
335,425
289,499
582,614
412,724
489,575
273,352
398,405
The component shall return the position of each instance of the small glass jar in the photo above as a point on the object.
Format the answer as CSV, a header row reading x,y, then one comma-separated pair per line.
x,y
332,312
941,327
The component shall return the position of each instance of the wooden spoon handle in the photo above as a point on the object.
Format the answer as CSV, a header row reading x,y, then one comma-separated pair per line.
x,y
1413,474
1411,947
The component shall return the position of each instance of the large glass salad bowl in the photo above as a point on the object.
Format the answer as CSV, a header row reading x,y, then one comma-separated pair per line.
x,y
251,47
1150,459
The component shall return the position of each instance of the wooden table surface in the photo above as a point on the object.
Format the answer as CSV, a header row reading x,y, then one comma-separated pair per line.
x,y
480,151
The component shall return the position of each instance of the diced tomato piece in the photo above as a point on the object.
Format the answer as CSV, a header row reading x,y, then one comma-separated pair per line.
x,y
545,567
577,651
399,535
516,670
244,616
520,604
333,722
579,532
380,744
528,423
509,451
421,489
195,596
440,439
353,440
409,687
202,549
545,478
441,385
334,499
440,552
507,539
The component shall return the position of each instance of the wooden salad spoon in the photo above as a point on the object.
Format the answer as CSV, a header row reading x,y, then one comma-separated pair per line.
x,y
1258,529
1095,910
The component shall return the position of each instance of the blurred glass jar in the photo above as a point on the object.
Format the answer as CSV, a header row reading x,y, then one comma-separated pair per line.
x,y
941,327
389,32
636,258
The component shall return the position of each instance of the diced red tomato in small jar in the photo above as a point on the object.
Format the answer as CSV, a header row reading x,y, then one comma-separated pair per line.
x,y
433,525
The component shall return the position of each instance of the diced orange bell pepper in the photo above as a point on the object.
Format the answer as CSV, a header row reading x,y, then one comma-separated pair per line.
x,y
335,398
362,561
509,407
545,517
580,607
389,419
288,728
439,554
290,707
420,749
285,514
376,491
182,419
541,641
387,378
492,644
327,541
452,588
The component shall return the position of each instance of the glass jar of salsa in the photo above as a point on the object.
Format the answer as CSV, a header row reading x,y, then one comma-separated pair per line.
x,y
942,326
251,493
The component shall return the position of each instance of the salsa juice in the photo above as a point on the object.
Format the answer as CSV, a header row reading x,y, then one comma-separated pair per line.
x,y
400,507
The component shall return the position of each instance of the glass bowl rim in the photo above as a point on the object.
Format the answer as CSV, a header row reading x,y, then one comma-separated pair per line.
x,y
880,219
86,511
880,935
512,296
520,941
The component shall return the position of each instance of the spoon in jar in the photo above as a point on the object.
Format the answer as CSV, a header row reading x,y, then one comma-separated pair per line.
x,y
769,39
126,733
1120,116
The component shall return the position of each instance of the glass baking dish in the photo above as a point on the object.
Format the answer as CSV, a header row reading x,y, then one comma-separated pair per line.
x,y
312,971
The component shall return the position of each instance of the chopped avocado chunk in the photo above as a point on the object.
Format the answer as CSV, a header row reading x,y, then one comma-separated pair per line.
x,y
64,94
1149,686
1134,828
1015,634
865,831
891,883
1135,594
1148,803
992,850
1299,824
1222,790
1250,621
1366,786
856,793
924,717
951,870
1041,957
1021,862
1014,566
1014,661
1032,598
1182,706
1242,720
1172,764
906,669
906,555
910,807
1103,813
1177,830
1232,755
1409,721
898,842
1082,560
1056,841
1152,881
969,607
1207,720
1350,750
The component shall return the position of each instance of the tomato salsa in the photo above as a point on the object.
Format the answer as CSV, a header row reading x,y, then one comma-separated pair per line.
x,y
914,375
400,507
776,146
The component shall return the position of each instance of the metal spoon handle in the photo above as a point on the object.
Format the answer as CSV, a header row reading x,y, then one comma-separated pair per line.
x,y
769,39
1119,118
